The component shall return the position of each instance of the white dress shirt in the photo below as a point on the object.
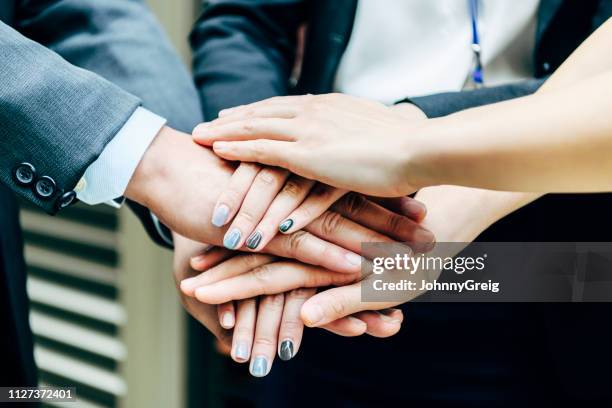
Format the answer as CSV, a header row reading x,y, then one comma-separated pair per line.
x,y
402,48
106,179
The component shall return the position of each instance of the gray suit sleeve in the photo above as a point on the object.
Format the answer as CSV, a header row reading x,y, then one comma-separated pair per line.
x,y
443,104
54,116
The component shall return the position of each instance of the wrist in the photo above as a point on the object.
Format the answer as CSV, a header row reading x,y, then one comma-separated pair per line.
x,y
150,170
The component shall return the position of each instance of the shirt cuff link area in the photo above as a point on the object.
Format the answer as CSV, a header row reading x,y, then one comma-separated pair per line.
x,y
106,179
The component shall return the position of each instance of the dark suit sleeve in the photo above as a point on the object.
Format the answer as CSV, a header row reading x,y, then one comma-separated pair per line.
x,y
55,116
443,104
244,50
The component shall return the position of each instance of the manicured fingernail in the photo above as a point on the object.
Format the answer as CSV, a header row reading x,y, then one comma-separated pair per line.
x,y
314,314
242,351
259,367
219,217
228,320
423,236
286,350
353,258
285,225
231,239
254,240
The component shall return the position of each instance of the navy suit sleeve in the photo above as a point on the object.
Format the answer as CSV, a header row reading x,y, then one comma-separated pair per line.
x,y
443,104
244,50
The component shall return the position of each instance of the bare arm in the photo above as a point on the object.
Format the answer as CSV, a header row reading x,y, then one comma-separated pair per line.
x,y
558,140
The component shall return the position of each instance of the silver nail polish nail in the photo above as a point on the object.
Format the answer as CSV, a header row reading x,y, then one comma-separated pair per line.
x,y
231,239
254,240
286,350
259,367
220,214
242,351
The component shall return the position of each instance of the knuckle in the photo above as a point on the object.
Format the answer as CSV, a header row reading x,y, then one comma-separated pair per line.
x,y
394,223
292,189
292,325
262,275
243,331
251,260
337,307
354,204
331,222
296,241
301,293
231,197
341,279
274,302
266,177
321,192
246,216
259,150
248,126
265,342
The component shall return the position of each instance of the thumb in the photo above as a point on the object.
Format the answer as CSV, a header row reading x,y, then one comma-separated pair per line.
x,y
269,152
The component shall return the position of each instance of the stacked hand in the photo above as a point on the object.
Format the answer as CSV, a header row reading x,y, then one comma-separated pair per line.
x,y
309,235
350,143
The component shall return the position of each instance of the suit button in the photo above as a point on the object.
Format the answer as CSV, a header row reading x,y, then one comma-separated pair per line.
x,y
24,174
546,67
65,200
45,187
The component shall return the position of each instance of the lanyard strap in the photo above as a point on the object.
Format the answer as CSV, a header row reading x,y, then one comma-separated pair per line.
x,y
477,73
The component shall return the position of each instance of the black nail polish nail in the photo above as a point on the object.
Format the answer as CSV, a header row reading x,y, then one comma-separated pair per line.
x,y
286,350
254,240
286,225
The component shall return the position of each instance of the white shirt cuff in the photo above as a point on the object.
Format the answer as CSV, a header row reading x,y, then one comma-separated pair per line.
x,y
106,179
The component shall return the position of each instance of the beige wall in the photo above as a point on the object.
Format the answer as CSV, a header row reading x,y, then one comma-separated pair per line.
x,y
177,16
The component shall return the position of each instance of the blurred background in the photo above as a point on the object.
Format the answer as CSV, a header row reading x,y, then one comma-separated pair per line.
x,y
121,338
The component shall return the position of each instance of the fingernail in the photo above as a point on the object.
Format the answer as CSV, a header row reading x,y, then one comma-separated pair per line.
x,y
228,320
286,225
358,322
286,350
353,258
314,314
231,239
219,146
413,208
391,315
200,129
259,367
220,214
254,240
423,236
188,284
242,351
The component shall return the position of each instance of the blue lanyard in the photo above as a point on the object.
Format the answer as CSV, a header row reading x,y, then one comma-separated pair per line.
x,y
477,73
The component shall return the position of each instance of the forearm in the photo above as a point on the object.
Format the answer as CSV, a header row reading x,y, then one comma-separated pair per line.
x,y
549,142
